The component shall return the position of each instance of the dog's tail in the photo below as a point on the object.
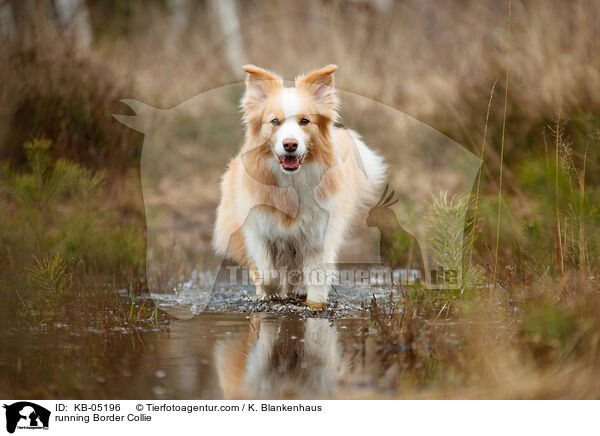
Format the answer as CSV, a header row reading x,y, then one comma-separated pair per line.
x,y
372,165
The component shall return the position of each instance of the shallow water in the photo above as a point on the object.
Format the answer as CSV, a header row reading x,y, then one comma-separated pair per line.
x,y
213,356
236,348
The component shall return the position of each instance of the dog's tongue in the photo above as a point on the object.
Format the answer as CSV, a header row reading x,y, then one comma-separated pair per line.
x,y
290,161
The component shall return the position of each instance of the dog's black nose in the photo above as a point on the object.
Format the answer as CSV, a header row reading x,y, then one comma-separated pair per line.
x,y
290,145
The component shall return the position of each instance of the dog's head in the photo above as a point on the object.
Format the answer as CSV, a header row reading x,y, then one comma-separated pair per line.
x,y
291,125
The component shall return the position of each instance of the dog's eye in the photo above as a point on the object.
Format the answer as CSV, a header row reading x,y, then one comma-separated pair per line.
x,y
304,121
275,121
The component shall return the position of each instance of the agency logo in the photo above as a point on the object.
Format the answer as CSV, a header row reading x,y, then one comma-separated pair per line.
x,y
26,415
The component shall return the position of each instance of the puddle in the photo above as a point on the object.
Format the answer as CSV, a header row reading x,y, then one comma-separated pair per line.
x,y
235,348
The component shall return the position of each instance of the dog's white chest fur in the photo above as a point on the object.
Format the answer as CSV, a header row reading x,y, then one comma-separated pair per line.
x,y
291,244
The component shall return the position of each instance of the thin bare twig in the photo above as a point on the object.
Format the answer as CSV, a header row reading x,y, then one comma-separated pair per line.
x,y
502,148
487,116
559,248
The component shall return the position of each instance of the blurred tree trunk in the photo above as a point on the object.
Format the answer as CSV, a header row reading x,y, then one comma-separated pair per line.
x,y
180,11
31,19
232,35
74,17
27,20
7,20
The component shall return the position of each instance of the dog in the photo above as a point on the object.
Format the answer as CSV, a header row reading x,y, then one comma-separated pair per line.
x,y
281,358
291,194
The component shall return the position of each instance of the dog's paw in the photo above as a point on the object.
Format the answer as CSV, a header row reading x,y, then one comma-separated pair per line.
x,y
315,306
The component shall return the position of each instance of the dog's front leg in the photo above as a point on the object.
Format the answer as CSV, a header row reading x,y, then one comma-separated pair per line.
x,y
321,273
318,277
262,270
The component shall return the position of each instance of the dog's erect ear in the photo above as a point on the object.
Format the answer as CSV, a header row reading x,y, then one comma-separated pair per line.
x,y
319,83
261,82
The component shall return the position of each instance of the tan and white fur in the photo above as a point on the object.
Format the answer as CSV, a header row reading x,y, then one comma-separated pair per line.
x,y
281,358
290,195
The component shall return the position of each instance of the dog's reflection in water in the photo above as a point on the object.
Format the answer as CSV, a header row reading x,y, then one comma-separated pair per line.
x,y
280,358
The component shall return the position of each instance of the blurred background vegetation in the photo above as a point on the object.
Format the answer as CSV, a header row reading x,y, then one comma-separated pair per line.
x,y
71,210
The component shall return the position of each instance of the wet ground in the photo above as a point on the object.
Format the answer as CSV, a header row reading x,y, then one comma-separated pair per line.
x,y
235,348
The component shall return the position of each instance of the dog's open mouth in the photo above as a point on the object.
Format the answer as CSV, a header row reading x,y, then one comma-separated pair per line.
x,y
290,162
